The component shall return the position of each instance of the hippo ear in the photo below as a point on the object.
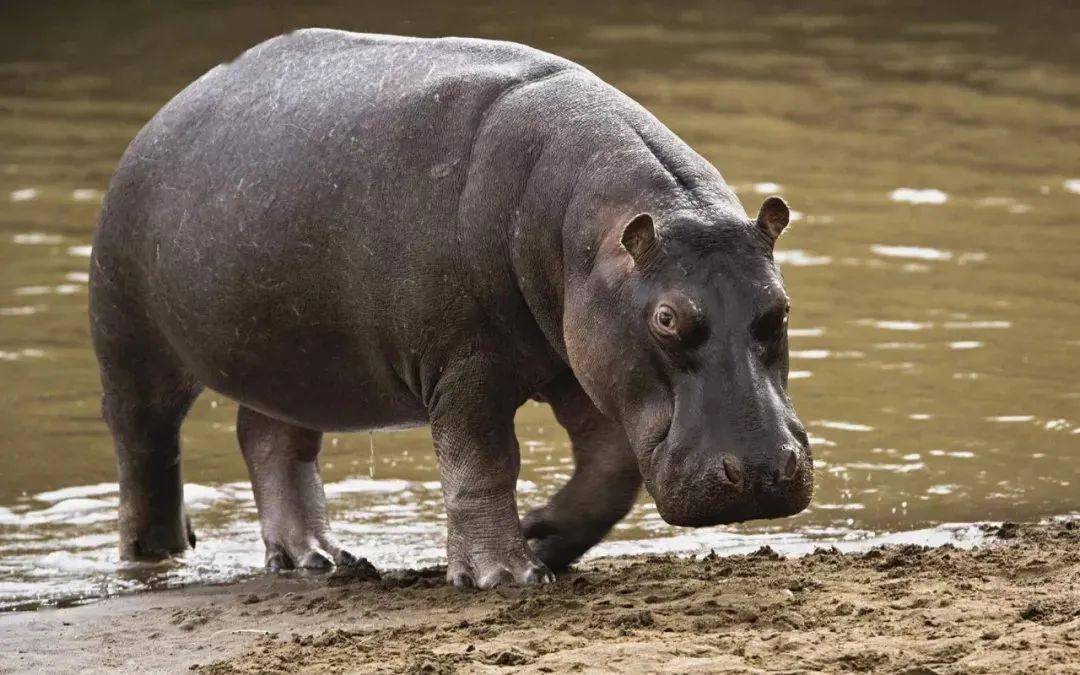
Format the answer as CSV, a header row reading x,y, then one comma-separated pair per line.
x,y
639,238
773,217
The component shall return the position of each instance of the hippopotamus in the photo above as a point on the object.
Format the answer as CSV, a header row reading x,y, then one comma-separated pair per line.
x,y
345,232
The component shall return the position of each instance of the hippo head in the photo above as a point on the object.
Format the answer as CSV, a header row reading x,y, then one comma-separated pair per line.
x,y
677,328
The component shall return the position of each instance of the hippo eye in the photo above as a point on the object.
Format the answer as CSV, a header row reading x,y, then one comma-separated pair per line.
x,y
772,325
769,330
665,320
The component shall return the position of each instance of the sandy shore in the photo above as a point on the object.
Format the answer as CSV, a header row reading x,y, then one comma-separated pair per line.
x,y
1012,606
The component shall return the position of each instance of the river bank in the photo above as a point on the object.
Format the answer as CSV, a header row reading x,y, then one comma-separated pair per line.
x,y
1012,605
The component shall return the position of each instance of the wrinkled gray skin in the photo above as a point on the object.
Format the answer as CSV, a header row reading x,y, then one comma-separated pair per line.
x,y
347,232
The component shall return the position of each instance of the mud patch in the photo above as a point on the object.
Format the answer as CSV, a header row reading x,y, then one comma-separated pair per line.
x,y
1012,606
906,609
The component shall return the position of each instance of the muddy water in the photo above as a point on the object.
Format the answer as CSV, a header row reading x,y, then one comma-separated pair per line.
x,y
932,155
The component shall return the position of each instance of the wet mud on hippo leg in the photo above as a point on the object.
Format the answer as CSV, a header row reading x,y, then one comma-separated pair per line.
x,y
282,461
478,456
601,491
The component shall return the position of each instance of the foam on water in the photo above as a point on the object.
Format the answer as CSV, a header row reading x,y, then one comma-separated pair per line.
x,y
24,195
965,344
36,238
918,196
86,195
25,310
977,325
716,540
28,353
767,188
896,468
354,485
80,251
800,258
77,505
841,425
914,252
95,490
901,325
203,494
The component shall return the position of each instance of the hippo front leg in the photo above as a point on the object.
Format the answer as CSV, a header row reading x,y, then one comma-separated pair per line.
x,y
478,458
601,491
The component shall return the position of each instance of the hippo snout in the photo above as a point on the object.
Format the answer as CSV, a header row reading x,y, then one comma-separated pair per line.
x,y
702,489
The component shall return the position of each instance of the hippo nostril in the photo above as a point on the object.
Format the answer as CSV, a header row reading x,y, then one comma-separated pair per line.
x,y
731,470
800,435
789,460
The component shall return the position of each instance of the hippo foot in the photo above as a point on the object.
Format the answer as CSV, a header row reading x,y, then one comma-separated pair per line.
x,y
555,541
485,570
318,555
157,543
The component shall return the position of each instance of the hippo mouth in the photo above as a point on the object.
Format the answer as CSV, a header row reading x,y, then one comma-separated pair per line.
x,y
736,509
697,490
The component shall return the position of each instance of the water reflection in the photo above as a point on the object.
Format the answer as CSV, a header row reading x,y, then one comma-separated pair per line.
x,y
932,267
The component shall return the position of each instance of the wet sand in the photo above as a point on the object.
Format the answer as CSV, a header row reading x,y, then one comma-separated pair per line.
x,y
1010,606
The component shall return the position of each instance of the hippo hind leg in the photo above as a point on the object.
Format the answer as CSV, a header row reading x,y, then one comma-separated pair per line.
x,y
601,491
282,460
145,398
